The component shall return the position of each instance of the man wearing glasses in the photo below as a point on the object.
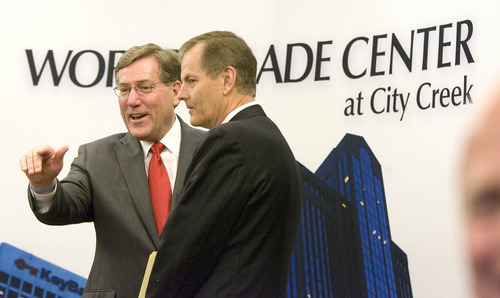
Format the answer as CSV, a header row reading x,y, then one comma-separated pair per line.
x,y
114,181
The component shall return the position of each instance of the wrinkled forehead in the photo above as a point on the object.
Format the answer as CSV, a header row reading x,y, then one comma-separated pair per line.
x,y
483,141
191,62
142,70
483,147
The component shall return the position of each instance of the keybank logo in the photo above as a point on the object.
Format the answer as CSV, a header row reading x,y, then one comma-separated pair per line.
x,y
76,66
50,277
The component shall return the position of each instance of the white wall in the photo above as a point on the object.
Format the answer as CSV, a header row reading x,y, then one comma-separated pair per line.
x,y
418,153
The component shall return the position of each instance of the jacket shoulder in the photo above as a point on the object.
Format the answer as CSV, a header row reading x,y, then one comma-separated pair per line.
x,y
107,140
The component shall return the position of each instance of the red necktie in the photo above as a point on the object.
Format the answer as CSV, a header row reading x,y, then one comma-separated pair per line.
x,y
159,186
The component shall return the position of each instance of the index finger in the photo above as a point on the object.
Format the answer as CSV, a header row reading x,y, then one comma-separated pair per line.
x,y
34,158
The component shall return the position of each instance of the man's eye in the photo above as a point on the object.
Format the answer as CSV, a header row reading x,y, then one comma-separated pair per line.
x,y
486,203
124,90
145,89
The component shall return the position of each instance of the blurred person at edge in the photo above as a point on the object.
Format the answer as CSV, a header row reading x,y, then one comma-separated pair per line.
x,y
108,180
481,190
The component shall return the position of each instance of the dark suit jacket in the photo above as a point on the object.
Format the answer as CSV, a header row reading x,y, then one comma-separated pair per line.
x,y
107,184
233,230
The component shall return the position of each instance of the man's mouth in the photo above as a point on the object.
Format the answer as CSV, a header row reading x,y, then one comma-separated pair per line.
x,y
137,116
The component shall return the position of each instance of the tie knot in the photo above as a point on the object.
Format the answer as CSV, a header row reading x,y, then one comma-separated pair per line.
x,y
157,148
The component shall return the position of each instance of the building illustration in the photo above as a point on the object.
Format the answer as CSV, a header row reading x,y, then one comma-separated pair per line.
x,y
344,246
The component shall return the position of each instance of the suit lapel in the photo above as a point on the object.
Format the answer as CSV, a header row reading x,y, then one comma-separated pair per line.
x,y
190,138
131,161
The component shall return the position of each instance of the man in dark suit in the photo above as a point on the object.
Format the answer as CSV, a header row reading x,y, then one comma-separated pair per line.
x,y
108,180
233,230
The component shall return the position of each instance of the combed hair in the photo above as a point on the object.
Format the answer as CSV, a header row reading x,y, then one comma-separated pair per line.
x,y
168,61
223,49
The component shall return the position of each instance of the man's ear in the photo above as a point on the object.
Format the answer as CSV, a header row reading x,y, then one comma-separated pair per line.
x,y
229,76
176,87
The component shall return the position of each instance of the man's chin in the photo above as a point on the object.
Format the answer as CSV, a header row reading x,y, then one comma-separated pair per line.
x,y
139,135
195,122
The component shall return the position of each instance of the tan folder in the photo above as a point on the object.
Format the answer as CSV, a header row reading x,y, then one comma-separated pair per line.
x,y
147,274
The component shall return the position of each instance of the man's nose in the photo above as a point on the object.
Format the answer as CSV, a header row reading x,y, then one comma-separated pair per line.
x,y
182,95
133,98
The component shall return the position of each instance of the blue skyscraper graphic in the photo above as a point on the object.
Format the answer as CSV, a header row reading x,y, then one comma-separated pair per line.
x,y
344,246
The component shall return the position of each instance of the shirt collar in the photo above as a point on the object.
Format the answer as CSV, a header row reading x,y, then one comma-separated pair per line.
x,y
172,140
237,110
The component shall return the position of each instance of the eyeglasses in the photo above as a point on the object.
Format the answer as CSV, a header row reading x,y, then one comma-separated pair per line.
x,y
124,91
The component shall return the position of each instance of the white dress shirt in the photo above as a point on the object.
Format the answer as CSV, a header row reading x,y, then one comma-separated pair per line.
x,y
170,154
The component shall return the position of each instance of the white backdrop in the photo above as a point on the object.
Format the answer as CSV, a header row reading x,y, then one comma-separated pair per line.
x,y
418,153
